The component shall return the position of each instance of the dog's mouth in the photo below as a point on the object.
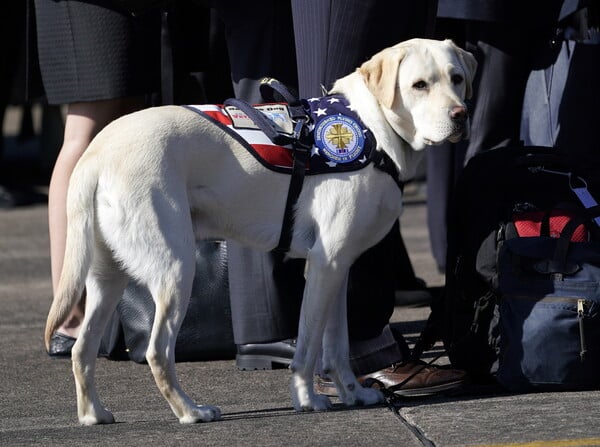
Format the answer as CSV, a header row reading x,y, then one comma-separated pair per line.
x,y
454,138
458,134
429,142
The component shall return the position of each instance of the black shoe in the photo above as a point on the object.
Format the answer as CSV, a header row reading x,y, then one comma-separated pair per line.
x,y
413,294
265,355
61,345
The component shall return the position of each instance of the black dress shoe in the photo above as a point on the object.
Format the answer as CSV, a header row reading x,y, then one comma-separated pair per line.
x,y
61,345
265,355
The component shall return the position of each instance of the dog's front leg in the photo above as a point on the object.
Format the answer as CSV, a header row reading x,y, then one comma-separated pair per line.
x,y
336,356
323,283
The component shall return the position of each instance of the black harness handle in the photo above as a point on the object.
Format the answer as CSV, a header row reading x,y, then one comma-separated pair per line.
x,y
300,150
261,121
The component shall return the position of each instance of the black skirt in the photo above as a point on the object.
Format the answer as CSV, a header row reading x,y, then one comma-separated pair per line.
x,y
90,50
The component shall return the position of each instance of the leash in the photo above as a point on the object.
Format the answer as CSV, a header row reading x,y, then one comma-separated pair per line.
x,y
391,398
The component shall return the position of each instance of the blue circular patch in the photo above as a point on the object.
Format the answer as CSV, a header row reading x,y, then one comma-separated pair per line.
x,y
339,138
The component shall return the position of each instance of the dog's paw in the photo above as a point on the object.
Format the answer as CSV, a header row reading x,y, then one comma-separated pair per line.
x,y
202,413
303,396
99,416
363,396
314,402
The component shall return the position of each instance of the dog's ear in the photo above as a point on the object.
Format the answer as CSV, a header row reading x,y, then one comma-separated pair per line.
x,y
381,73
468,63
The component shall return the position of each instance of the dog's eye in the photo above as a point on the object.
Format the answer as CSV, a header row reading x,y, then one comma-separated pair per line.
x,y
420,85
456,79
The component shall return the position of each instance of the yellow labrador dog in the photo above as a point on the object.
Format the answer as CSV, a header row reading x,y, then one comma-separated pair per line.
x,y
152,182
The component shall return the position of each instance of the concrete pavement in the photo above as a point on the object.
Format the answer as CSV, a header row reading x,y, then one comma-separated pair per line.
x,y
37,396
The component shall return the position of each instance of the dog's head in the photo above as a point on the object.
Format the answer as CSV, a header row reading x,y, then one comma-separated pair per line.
x,y
421,86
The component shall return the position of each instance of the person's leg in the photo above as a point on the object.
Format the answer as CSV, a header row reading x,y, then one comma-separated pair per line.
x,y
265,295
83,121
264,291
260,43
503,66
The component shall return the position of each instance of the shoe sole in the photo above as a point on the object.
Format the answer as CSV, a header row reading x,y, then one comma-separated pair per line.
x,y
428,391
329,390
261,362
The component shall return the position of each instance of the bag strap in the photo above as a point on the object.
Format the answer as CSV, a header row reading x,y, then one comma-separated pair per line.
x,y
559,261
545,224
577,184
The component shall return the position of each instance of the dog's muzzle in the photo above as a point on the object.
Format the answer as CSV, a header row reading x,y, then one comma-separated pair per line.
x,y
460,120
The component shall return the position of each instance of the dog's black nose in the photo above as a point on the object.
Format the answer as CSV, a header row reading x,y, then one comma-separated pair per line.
x,y
458,113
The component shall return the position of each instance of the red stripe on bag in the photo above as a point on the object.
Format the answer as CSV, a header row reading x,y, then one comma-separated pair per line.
x,y
529,224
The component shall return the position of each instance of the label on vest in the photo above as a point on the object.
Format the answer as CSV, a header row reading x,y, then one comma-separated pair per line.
x,y
277,113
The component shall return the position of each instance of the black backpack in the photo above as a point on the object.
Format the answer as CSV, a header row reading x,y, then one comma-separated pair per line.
x,y
489,266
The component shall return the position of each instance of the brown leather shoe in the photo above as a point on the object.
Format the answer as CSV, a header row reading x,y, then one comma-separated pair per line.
x,y
405,379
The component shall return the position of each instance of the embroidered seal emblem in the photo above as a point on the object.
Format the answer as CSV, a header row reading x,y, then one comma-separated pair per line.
x,y
339,138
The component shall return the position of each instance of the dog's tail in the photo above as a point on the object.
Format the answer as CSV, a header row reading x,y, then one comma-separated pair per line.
x,y
78,249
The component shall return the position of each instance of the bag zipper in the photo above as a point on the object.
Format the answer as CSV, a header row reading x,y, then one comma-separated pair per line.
x,y
580,316
581,303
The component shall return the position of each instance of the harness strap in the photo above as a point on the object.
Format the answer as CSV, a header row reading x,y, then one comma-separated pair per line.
x,y
384,163
296,183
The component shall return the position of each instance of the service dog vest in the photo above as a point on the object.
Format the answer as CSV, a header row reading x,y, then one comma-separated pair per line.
x,y
337,139
340,141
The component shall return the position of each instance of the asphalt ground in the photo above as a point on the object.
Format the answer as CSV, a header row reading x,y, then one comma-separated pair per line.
x,y
37,395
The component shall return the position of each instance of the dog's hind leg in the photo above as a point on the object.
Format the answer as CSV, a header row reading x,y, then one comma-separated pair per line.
x,y
171,294
104,287
336,357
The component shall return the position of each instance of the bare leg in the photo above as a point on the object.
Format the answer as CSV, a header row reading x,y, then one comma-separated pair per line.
x,y
84,120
